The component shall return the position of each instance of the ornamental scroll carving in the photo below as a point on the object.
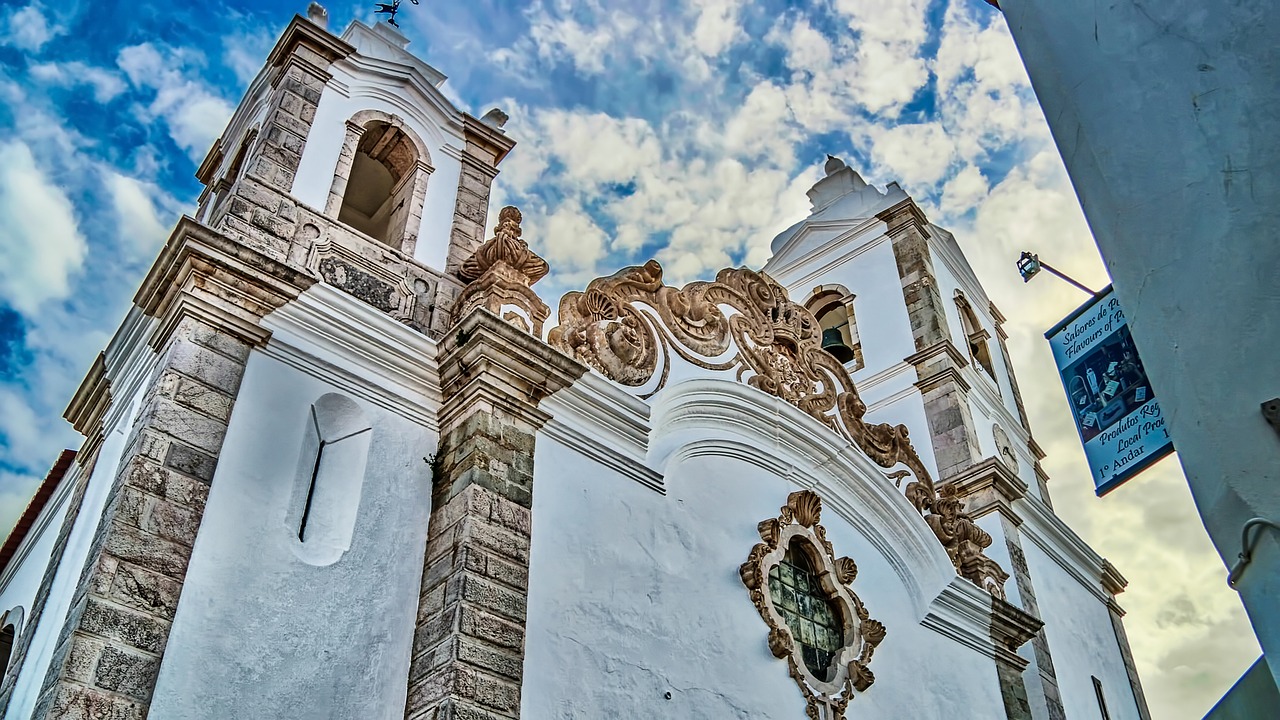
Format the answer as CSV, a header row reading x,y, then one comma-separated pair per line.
x,y
830,686
629,325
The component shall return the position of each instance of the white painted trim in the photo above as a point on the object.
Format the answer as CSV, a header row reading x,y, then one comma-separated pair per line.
x,y
351,345
605,423
812,277
726,418
962,612
51,510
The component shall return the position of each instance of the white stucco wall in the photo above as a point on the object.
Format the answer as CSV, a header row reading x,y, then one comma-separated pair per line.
x,y
22,579
1081,639
295,634
634,594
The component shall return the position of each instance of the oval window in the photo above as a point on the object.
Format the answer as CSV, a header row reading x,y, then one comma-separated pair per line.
x,y
814,621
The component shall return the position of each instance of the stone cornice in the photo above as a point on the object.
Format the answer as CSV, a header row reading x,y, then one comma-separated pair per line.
x,y
904,214
939,363
989,486
940,348
993,627
1112,581
204,274
485,361
486,138
1011,628
304,33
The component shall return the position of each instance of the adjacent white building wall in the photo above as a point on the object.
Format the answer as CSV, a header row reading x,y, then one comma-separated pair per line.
x,y
1167,116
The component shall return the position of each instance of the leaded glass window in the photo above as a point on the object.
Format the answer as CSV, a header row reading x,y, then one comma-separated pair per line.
x,y
813,619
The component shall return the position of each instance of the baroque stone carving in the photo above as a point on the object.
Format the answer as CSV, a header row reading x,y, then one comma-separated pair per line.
x,y
499,275
797,529
628,326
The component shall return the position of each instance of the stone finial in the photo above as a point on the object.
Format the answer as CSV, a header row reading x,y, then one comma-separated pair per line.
x,y
499,275
834,165
495,118
317,14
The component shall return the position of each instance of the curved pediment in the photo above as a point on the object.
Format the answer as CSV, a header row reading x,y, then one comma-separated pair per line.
x,y
634,329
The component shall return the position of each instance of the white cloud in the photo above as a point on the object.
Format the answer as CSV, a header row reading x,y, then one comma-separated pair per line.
x,y
40,242
586,46
717,27
28,28
194,114
135,210
964,190
918,154
571,240
245,53
106,85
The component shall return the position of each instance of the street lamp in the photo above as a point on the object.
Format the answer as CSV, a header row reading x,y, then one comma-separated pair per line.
x,y
1029,265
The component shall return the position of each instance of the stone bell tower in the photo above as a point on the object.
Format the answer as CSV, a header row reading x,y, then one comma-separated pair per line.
x,y
256,485
345,160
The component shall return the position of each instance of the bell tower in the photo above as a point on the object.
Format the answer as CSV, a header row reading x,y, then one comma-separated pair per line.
x,y
346,162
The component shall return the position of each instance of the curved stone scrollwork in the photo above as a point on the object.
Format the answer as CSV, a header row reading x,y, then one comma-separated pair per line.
x,y
832,667
628,325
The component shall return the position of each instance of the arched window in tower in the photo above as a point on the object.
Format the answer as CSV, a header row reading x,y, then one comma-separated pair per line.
x,y
975,336
330,477
10,626
381,180
832,306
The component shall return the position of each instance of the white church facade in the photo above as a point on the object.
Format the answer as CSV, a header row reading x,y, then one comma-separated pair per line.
x,y
339,462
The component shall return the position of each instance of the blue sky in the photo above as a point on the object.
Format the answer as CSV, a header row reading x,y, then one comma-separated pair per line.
x,y
686,130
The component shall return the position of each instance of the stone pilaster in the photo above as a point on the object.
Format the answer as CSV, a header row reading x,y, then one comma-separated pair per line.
x,y
301,60
908,231
207,294
486,146
1010,629
1114,583
988,487
468,652
944,392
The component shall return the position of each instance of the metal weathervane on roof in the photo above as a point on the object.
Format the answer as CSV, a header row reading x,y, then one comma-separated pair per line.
x,y
390,9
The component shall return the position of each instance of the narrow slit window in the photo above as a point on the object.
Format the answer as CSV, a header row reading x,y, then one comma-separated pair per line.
x,y
331,468
1102,700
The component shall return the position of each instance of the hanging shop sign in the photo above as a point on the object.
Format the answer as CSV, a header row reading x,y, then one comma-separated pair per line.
x,y
1114,408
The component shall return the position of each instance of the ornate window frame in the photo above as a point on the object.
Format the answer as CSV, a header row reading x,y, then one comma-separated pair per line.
x,y
799,520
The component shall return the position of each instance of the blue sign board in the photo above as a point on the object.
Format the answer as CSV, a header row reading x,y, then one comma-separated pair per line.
x,y
1113,404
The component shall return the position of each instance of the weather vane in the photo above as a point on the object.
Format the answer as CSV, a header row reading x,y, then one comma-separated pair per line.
x,y
390,9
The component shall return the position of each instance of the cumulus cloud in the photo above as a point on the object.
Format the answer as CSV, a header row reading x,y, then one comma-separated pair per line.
x,y
105,84
717,26
918,154
40,242
193,113
135,208
28,28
